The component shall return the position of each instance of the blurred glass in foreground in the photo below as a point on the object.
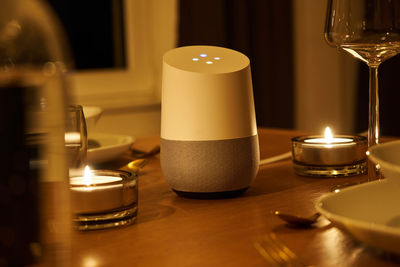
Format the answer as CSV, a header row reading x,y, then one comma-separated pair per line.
x,y
34,199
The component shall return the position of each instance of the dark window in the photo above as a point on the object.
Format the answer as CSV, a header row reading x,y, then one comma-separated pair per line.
x,y
95,31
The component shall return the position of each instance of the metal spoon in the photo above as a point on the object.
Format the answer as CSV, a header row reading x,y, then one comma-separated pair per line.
x,y
297,220
135,165
145,154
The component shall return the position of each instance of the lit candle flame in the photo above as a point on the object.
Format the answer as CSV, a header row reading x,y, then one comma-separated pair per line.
x,y
329,140
88,176
328,136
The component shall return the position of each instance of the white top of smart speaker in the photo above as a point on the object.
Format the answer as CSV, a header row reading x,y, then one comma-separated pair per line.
x,y
206,59
206,94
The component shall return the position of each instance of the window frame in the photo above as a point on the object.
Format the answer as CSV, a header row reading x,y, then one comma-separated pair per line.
x,y
138,84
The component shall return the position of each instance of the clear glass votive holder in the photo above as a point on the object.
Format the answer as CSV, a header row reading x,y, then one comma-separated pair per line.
x,y
344,156
108,200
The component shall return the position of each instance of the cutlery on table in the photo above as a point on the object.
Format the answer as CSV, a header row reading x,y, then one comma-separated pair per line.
x,y
296,220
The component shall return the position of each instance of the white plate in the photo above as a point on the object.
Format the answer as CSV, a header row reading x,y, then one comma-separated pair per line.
x,y
387,155
111,146
369,212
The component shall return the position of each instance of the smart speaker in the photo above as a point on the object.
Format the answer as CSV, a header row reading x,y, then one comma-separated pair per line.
x,y
209,141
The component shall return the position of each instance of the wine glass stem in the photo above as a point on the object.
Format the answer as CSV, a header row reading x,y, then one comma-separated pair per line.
x,y
373,124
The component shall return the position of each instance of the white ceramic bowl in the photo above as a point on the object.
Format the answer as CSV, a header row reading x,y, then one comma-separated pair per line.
x,y
110,147
387,155
92,115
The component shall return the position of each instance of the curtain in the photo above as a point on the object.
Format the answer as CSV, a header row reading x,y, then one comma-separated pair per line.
x,y
262,30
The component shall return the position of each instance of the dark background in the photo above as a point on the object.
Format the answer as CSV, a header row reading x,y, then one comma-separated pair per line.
x,y
389,93
261,29
95,31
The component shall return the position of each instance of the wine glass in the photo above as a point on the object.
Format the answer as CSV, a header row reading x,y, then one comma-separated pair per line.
x,y
76,141
370,31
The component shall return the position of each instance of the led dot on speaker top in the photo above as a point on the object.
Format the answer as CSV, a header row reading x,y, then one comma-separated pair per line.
x,y
209,62
217,58
203,55
195,59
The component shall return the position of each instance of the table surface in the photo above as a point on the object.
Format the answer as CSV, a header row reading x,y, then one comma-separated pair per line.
x,y
175,231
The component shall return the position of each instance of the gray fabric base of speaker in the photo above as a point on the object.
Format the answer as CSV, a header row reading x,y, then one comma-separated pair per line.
x,y
210,166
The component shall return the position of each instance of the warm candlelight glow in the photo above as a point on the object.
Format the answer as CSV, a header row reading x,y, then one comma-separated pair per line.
x,y
327,155
328,135
88,176
72,138
92,181
328,139
111,193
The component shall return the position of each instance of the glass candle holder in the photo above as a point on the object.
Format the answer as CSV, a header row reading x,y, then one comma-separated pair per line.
x,y
106,199
344,155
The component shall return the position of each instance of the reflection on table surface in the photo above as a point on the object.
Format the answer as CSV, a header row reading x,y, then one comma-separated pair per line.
x,y
175,231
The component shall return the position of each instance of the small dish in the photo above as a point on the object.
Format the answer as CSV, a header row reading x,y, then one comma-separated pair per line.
x,y
369,212
387,155
104,147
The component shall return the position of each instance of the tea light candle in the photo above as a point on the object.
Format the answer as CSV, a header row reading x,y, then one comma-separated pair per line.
x,y
329,155
99,198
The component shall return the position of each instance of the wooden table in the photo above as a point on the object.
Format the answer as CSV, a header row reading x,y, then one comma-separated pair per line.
x,y
175,231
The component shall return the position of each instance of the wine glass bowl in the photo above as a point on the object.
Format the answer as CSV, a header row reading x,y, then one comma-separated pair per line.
x,y
369,30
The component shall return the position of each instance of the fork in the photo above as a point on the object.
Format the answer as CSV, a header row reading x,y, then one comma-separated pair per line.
x,y
277,253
